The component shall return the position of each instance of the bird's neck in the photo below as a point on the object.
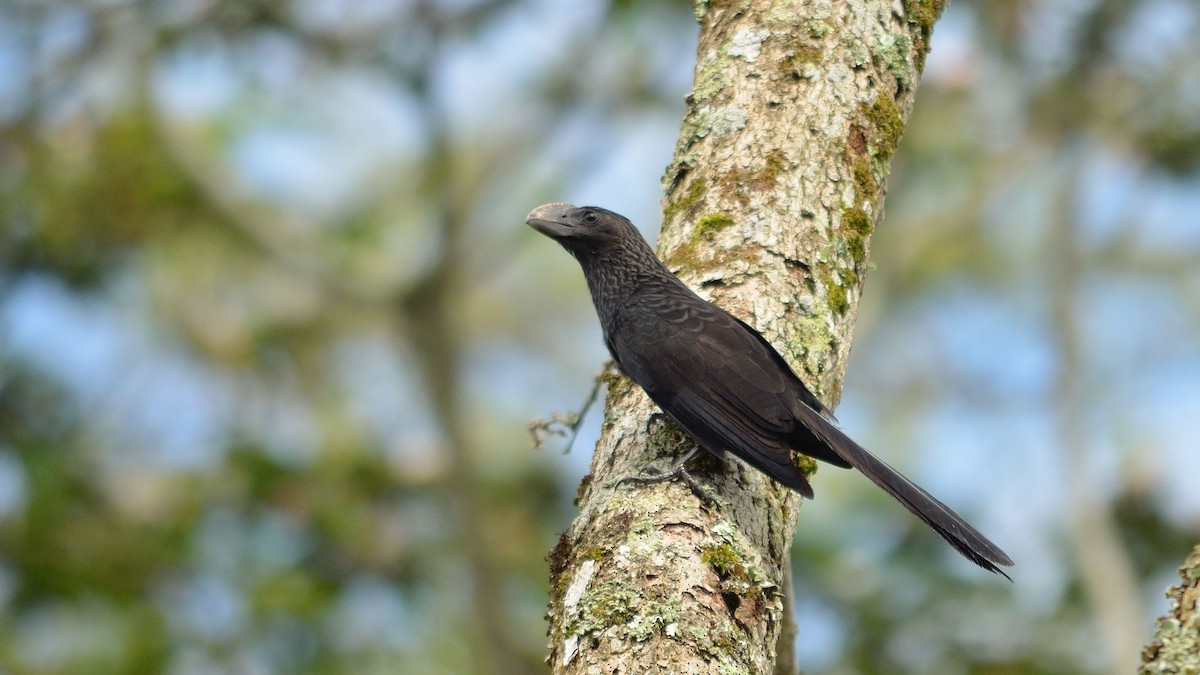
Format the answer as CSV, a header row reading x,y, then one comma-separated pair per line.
x,y
615,275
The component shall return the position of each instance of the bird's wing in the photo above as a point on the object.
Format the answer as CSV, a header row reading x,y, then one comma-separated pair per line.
x,y
763,387
712,376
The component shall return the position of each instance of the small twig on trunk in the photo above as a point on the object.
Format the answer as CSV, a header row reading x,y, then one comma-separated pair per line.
x,y
568,423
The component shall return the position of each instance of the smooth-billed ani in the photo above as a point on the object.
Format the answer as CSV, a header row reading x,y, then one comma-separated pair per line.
x,y
716,377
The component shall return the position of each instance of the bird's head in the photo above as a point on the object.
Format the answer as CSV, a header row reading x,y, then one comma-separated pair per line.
x,y
584,230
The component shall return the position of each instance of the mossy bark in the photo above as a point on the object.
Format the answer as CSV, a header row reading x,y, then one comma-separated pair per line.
x,y
1175,649
777,183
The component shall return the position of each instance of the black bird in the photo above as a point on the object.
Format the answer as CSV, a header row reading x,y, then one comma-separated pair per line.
x,y
716,377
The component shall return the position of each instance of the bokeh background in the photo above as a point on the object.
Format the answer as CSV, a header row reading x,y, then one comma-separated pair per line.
x,y
272,329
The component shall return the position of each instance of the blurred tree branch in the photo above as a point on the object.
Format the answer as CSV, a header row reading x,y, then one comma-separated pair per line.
x,y
1107,572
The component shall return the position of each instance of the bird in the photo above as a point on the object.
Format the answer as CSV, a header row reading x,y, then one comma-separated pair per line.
x,y
719,379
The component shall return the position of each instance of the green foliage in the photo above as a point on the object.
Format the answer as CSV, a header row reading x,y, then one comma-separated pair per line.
x,y
86,216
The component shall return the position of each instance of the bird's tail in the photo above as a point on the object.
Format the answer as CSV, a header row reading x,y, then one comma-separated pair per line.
x,y
964,538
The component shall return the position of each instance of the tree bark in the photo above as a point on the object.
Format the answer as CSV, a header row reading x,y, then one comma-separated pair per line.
x,y
777,181
1176,645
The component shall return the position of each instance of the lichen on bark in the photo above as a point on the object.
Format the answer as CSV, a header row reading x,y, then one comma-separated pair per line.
x,y
774,190
1175,649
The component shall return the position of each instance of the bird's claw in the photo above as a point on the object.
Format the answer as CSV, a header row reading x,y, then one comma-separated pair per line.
x,y
679,470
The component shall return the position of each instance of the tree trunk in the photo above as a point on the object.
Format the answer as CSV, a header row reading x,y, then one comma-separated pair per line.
x,y
777,181
1176,645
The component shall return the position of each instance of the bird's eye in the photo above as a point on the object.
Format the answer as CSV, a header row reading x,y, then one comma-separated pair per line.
x,y
590,217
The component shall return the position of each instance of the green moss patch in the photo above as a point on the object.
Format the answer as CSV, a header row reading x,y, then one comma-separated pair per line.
x,y
724,559
710,224
835,295
865,187
857,226
807,465
686,203
886,124
559,558
795,64
740,183
921,15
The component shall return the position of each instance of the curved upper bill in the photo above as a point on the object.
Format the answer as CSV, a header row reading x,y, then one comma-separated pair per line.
x,y
551,219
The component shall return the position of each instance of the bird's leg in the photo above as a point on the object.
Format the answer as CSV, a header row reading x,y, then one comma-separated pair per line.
x,y
679,469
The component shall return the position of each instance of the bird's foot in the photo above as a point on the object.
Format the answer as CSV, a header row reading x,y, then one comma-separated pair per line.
x,y
677,470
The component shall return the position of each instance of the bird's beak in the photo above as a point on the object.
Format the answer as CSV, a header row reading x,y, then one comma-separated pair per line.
x,y
550,219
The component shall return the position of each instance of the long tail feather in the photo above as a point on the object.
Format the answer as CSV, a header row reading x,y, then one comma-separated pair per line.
x,y
964,538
